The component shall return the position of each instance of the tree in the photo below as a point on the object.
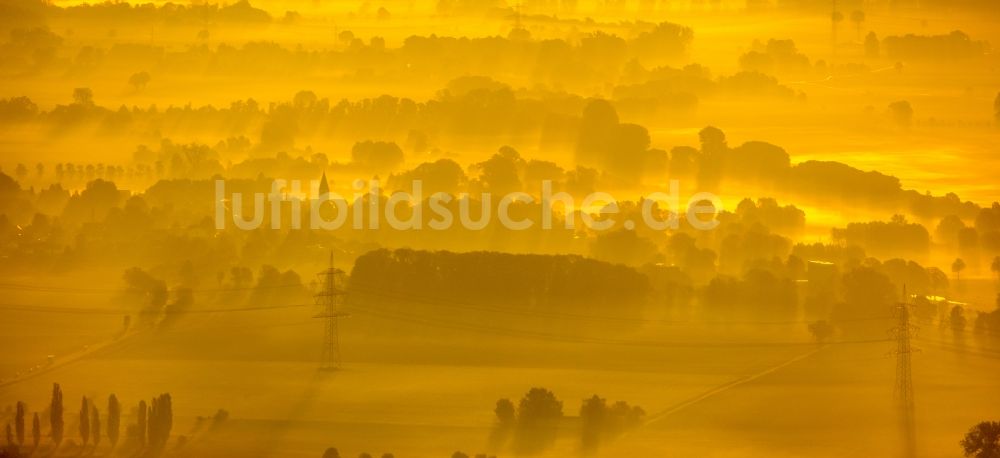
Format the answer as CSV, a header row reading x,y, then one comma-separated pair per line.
x,y
345,37
506,419
83,96
836,18
375,156
957,319
866,294
84,421
505,412
114,419
597,127
36,431
21,171
982,440
160,421
10,436
957,267
139,80
996,107
538,416
19,423
593,418
821,330
95,423
858,18
901,112
995,267
141,423
872,46
713,140
948,228
713,152
331,453
56,414
166,420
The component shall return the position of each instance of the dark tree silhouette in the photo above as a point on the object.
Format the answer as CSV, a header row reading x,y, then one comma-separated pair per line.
x,y
151,438
872,46
954,45
95,425
996,107
538,417
377,157
139,80
331,453
114,419
56,415
593,418
902,113
858,18
597,128
885,239
142,420
821,330
505,412
712,158
948,228
21,171
160,421
957,267
957,319
506,419
19,423
83,96
866,294
84,421
836,18
982,440
601,422
36,431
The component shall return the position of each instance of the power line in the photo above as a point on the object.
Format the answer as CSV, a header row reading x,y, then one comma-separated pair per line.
x,y
356,287
57,289
366,289
105,311
423,320
980,352
363,289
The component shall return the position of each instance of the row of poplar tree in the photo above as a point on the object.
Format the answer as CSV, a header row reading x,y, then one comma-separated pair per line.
x,y
151,430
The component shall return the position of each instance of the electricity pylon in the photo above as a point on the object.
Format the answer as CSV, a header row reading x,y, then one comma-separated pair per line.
x,y
330,298
903,391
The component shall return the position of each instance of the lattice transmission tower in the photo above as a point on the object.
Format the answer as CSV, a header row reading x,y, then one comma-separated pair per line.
x,y
330,298
902,333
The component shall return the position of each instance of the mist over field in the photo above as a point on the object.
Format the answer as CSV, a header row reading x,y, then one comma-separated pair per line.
x,y
489,228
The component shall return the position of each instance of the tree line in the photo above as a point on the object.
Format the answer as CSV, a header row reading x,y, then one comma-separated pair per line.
x,y
146,436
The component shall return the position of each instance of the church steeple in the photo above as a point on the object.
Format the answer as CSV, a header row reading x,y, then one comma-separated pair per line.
x,y
324,187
